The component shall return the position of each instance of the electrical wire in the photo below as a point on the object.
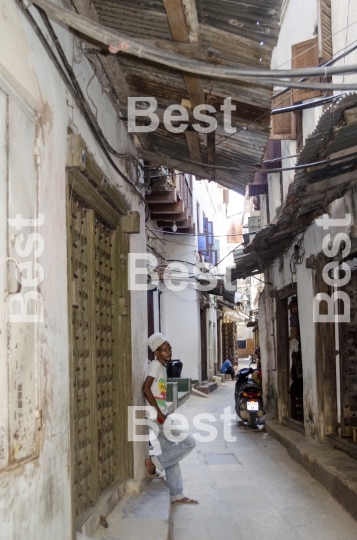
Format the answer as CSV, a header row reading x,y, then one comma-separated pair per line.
x,y
180,297
348,18
305,106
71,83
132,46
308,85
187,234
219,262
297,256
313,164
277,105
104,34
324,64
280,169
194,234
79,91
231,73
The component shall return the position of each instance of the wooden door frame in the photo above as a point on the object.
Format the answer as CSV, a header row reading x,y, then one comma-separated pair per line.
x,y
203,333
281,305
325,362
151,321
87,182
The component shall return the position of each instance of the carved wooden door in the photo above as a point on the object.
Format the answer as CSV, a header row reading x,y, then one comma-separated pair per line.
x,y
92,276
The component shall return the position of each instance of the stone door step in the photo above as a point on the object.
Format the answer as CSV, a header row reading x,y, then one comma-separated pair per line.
x,y
207,388
139,516
334,469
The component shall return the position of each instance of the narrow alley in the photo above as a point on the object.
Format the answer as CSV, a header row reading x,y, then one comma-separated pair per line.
x,y
251,488
178,210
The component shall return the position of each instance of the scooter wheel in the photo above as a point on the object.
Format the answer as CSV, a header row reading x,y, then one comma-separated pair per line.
x,y
252,420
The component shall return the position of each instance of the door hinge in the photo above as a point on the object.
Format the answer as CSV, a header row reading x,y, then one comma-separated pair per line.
x,y
38,416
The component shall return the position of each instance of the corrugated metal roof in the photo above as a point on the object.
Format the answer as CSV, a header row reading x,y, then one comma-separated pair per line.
x,y
305,202
234,33
328,136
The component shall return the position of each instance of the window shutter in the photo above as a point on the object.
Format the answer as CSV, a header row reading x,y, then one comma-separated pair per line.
x,y
305,55
325,30
283,125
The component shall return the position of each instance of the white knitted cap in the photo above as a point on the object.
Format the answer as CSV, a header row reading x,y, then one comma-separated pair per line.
x,y
155,340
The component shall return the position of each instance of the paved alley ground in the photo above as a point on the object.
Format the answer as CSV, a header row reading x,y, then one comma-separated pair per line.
x,y
251,489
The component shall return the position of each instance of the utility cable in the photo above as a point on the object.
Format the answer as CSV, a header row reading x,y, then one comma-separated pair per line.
x,y
325,64
192,66
304,106
80,101
71,18
132,46
330,62
193,234
106,35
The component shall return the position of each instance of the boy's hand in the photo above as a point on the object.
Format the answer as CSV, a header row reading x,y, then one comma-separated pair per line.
x,y
161,417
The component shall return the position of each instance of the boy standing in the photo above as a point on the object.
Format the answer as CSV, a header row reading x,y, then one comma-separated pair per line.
x,y
154,389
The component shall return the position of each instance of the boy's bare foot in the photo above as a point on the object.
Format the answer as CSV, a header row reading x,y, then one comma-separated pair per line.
x,y
186,500
151,471
150,467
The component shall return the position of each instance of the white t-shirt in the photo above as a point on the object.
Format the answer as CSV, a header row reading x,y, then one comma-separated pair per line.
x,y
158,388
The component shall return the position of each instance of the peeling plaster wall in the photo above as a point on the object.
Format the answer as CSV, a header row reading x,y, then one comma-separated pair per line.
x,y
274,194
180,312
36,496
267,338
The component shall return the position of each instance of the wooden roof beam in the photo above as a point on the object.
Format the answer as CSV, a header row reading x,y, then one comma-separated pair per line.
x,y
177,22
178,26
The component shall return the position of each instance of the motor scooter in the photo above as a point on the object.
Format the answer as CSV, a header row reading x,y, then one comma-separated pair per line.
x,y
248,397
242,378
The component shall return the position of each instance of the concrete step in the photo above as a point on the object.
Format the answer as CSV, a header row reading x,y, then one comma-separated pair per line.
x,y
207,388
182,397
135,517
334,469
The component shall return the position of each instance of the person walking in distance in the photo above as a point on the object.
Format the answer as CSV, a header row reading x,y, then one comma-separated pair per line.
x,y
154,390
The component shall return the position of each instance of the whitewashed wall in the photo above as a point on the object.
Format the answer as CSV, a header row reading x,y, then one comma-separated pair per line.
x,y
299,23
344,28
36,496
180,314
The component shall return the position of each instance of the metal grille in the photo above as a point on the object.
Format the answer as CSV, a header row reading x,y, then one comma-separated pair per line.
x,y
348,355
82,380
104,361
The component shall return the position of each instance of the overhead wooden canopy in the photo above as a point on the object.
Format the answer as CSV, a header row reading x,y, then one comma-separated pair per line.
x,y
226,33
314,188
